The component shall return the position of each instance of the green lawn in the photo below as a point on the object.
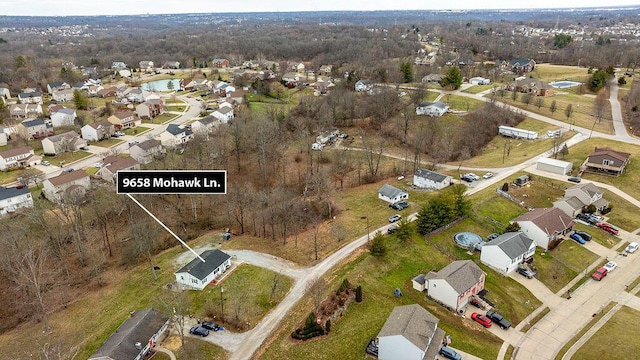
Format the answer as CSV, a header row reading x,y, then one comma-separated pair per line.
x,y
172,101
556,268
160,119
461,103
66,157
137,130
108,142
624,214
620,335
7,177
601,237
496,210
549,73
176,108
478,88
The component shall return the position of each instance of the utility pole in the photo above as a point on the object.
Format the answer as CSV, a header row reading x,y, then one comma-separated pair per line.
x,y
222,303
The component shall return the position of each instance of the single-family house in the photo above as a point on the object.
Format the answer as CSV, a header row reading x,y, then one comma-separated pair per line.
x,y
90,71
237,96
136,336
108,92
66,186
135,95
18,157
224,114
580,196
519,66
204,125
427,179
34,97
506,252
606,160
291,79
34,129
146,66
118,65
97,131
62,95
545,226
220,63
124,120
392,194
531,86
453,285
113,164
171,65
93,90
433,79
4,137
325,70
146,151
125,73
479,81
63,117
175,135
197,274
363,86
150,109
14,198
65,142
58,85
436,108
23,111
5,93
410,333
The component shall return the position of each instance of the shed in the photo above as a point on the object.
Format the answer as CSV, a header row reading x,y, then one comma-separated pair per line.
x,y
554,166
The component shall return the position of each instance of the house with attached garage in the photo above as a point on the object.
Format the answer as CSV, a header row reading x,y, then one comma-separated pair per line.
x,y
66,186
533,86
136,336
4,137
608,161
34,97
150,109
363,86
5,93
220,63
63,116
436,108
13,198
433,79
23,111
18,158
580,196
410,333
224,114
171,65
197,274
175,135
146,151
113,164
62,95
65,142
124,120
34,129
392,194
146,66
545,226
453,285
506,252
204,125
58,85
98,130
427,179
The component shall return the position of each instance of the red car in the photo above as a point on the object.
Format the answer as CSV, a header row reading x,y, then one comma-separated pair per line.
x,y
608,228
481,319
599,274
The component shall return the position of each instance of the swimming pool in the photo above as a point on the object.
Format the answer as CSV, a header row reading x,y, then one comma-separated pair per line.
x,y
564,84
467,240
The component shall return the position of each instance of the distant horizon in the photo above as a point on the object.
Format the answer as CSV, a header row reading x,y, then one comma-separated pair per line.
x,y
53,8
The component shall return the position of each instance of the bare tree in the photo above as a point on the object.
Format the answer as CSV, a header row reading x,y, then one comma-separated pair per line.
x,y
316,289
177,303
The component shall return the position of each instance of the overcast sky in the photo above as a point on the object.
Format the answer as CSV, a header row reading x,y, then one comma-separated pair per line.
x,y
130,7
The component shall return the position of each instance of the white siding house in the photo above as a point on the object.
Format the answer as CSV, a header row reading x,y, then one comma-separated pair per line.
x,y
13,198
63,117
545,226
579,196
432,108
67,184
175,135
554,166
146,151
410,333
428,179
506,252
224,114
98,130
392,194
453,285
18,157
197,274
363,85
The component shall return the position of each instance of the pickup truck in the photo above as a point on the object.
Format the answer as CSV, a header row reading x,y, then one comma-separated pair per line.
x,y
498,320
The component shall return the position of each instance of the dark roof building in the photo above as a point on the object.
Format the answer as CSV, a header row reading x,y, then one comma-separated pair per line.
x,y
198,274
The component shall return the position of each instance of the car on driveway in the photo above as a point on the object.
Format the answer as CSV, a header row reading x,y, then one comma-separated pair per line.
x,y
45,163
198,330
466,178
574,179
488,175
599,274
449,353
481,319
499,320
401,205
610,266
526,272
473,176
608,228
632,247
577,238
395,217
209,325
584,235
392,229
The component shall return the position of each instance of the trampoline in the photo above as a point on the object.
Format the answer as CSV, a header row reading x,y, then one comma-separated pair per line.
x,y
467,240
564,84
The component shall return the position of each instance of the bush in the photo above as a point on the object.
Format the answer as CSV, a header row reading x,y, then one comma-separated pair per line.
x,y
359,293
505,187
607,209
327,325
310,330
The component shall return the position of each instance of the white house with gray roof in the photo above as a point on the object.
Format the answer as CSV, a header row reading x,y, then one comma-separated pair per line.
x,y
436,108
453,285
175,135
224,114
427,179
507,251
197,274
392,194
410,333
13,198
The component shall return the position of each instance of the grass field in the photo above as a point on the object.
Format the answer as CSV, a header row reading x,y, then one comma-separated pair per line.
x,y
478,88
503,151
107,143
556,268
461,103
66,157
549,73
160,119
176,108
379,277
137,130
624,214
7,177
193,349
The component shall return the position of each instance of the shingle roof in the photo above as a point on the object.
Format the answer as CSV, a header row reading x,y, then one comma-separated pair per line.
x,y
437,104
200,270
549,220
224,109
10,192
574,202
115,163
513,244
413,322
460,274
430,175
103,123
67,177
149,144
589,188
34,122
622,156
64,136
138,328
207,120
390,191
15,151
174,129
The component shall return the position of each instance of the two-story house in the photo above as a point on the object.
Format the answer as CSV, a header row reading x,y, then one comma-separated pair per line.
x,y
146,151
97,131
224,114
18,157
14,198
23,111
34,97
150,109
65,142
508,251
363,86
146,66
204,125
5,93
58,85
124,120
220,63
175,135
577,197
34,129
63,116
67,186
608,161
62,95
113,164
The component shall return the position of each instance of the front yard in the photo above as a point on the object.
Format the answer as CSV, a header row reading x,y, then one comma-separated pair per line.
x,y
618,335
556,268
66,158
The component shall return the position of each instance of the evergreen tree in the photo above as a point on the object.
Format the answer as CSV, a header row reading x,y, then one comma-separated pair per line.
x,y
80,100
377,246
407,72
453,78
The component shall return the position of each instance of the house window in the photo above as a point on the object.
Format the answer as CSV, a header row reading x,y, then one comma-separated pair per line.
x,y
607,162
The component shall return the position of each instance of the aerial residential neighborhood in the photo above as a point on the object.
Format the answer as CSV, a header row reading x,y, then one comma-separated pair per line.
x,y
394,184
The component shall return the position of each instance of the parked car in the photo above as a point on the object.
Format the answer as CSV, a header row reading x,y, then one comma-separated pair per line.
x,y
599,274
472,176
466,178
488,175
632,247
209,325
399,205
574,179
526,272
68,170
198,330
343,136
492,236
395,217
583,217
481,319
584,235
45,163
577,238
475,302
392,229
449,353
610,266
499,320
608,228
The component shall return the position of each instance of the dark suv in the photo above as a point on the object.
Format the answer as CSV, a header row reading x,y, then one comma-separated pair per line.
x,y
449,353
499,320
399,205
199,330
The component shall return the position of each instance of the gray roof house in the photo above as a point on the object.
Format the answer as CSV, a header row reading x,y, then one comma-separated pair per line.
x,y
428,179
175,135
410,333
197,274
392,194
13,198
135,337
579,196
453,285
506,252
436,108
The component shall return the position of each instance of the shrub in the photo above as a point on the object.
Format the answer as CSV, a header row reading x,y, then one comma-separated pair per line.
x,y
359,293
327,325
505,187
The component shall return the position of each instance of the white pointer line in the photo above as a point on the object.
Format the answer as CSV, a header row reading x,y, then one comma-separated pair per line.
x,y
164,226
